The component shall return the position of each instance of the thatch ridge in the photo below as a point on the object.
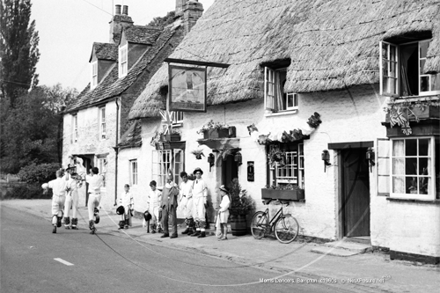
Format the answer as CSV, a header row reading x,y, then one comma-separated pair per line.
x,y
332,45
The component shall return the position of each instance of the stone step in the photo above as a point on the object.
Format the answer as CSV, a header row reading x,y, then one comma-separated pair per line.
x,y
342,248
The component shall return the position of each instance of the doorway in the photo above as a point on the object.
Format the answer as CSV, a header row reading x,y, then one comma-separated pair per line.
x,y
355,193
229,170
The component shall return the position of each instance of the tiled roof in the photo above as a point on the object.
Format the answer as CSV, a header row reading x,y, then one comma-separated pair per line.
x,y
106,51
132,137
111,86
142,34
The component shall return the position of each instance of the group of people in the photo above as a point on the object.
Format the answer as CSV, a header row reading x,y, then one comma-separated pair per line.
x,y
191,196
65,190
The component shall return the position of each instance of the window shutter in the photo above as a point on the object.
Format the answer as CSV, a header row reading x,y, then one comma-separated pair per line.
x,y
383,166
269,88
178,164
388,69
155,166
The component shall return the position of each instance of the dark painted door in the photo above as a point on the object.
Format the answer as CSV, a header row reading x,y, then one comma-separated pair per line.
x,y
355,193
229,171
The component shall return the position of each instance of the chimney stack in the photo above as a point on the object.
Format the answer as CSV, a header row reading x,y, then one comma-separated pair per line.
x,y
117,9
192,10
119,22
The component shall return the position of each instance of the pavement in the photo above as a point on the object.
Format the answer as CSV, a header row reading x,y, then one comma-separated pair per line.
x,y
348,263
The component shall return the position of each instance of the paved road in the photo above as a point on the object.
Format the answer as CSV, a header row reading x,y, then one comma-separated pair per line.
x,y
105,263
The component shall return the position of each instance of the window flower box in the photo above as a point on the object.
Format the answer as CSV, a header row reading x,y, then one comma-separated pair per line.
x,y
219,133
172,137
286,194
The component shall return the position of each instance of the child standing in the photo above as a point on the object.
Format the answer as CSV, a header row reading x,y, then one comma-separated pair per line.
x,y
126,207
223,213
154,199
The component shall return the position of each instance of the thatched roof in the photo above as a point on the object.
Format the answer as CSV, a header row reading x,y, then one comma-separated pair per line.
x,y
132,137
332,44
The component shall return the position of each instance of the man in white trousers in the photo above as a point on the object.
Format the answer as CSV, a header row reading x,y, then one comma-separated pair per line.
x,y
73,184
200,199
186,203
95,182
58,187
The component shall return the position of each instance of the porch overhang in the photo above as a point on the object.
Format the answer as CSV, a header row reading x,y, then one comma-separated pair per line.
x,y
220,144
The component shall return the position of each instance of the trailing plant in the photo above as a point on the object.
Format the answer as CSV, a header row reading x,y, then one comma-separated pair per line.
x,y
198,153
212,125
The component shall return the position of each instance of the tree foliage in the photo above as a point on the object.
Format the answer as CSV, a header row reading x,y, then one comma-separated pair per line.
x,y
31,131
18,49
163,21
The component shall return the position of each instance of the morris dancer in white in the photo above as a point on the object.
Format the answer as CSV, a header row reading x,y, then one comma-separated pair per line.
x,y
200,198
95,182
73,184
127,203
58,186
186,203
154,199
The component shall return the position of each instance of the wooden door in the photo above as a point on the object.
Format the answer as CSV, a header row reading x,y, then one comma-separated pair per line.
x,y
355,193
229,171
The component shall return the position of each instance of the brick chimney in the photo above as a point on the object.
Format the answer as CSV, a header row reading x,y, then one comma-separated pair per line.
x,y
119,21
192,10
179,7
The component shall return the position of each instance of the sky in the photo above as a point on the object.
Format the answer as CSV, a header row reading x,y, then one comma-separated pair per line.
x,y
68,28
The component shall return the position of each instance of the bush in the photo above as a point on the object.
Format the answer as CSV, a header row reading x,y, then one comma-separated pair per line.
x,y
26,191
42,173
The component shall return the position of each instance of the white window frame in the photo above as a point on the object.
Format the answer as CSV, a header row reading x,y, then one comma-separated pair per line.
x,y
271,80
162,160
94,82
102,165
299,166
102,123
383,164
123,60
75,128
431,195
134,171
394,73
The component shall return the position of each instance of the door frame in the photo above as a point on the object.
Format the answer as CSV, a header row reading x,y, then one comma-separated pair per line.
x,y
338,147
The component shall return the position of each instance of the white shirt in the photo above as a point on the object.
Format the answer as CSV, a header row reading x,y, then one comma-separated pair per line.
x,y
224,205
186,189
95,183
199,188
58,186
126,200
154,198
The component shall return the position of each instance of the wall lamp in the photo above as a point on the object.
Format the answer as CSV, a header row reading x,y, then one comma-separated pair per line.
x,y
370,157
325,156
211,160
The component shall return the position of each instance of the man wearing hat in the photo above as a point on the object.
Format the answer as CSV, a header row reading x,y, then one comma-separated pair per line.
x,y
200,198
73,184
186,203
95,183
169,206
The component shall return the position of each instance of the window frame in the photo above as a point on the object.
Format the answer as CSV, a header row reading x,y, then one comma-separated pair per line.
x,y
123,60
75,128
102,123
271,80
102,165
299,179
431,195
398,71
134,171
164,160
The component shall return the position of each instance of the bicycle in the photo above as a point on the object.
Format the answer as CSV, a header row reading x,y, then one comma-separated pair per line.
x,y
285,226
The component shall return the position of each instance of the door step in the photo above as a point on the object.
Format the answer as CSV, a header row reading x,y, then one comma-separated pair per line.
x,y
343,248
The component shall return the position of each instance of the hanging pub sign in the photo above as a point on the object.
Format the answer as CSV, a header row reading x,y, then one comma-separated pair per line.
x,y
187,88
188,84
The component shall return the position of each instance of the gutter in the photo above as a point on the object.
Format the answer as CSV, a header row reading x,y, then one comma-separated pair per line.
x,y
116,150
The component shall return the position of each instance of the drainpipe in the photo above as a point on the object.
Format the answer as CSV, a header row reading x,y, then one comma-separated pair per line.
x,y
116,150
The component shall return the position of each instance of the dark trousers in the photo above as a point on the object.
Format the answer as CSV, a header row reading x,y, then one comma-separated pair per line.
x,y
169,211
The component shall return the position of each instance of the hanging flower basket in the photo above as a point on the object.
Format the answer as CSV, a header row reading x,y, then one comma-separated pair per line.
x,y
173,137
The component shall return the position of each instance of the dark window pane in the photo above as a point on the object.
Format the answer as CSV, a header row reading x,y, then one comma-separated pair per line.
x,y
423,147
411,166
411,147
423,166
411,184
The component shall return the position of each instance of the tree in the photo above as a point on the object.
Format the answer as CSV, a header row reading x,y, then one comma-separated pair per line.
x,y
31,132
163,21
18,49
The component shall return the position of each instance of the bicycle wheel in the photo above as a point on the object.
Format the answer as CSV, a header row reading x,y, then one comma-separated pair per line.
x,y
258,225
286,229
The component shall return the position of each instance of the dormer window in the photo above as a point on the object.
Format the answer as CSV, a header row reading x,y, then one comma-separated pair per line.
x,y
401,70
123,61
94,74
276,100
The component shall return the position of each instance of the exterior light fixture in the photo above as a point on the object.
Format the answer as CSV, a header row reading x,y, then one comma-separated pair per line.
x,y
325,156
